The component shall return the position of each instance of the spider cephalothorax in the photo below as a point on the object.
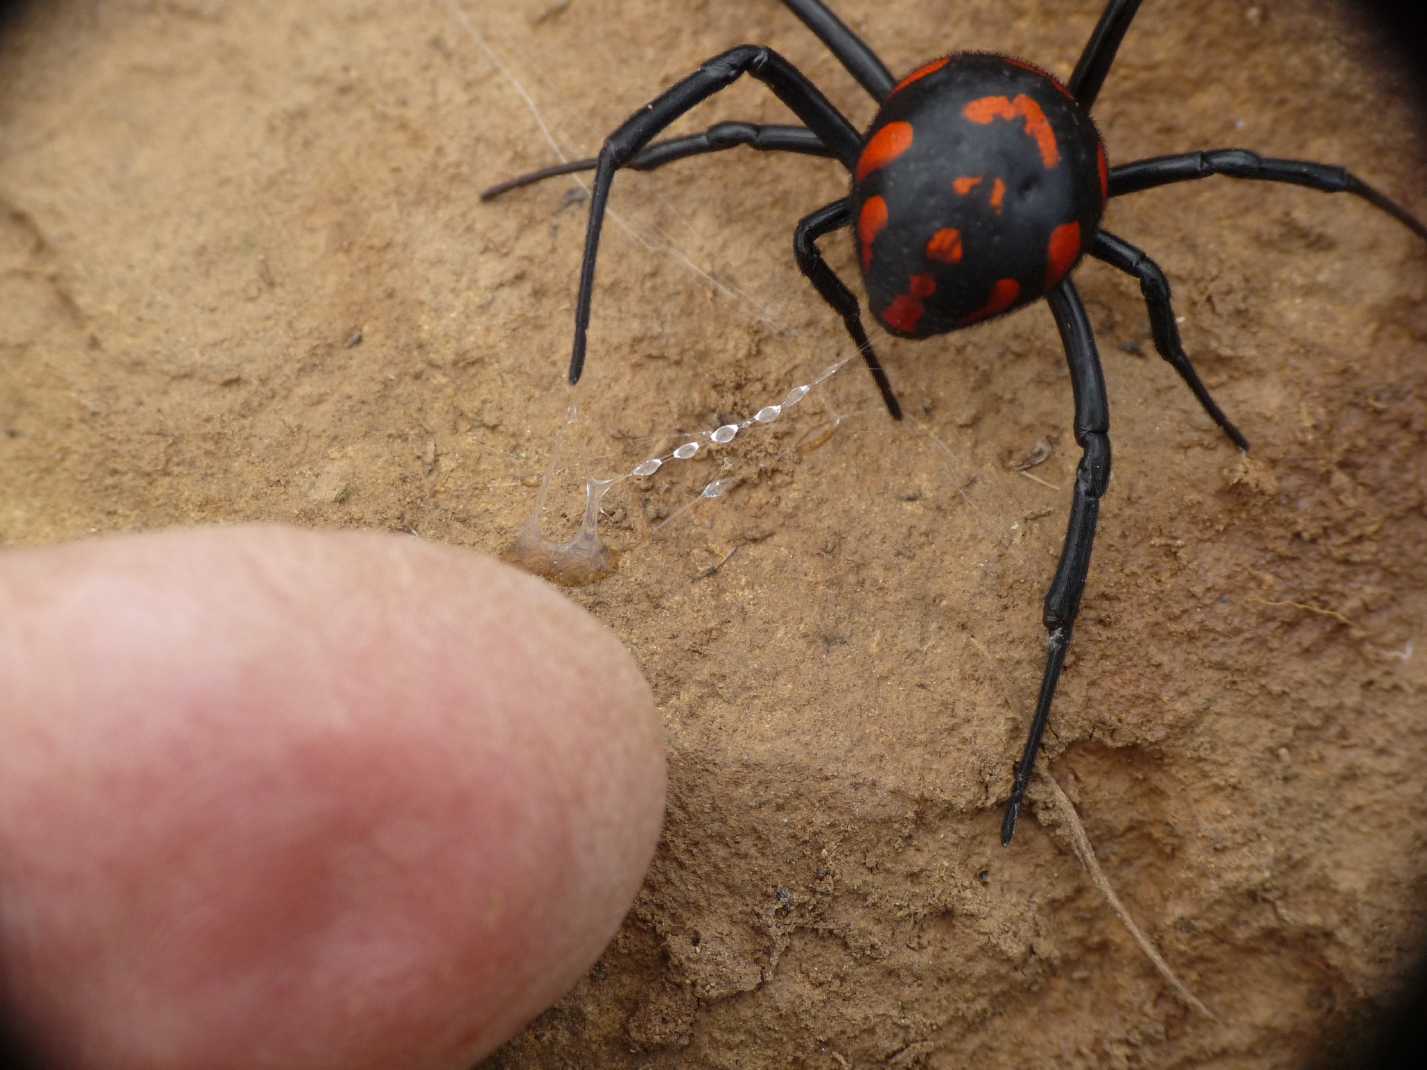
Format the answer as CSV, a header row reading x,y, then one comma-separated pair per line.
x,y
977,189
979,185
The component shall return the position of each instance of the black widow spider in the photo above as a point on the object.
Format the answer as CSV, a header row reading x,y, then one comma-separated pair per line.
x,y
976,191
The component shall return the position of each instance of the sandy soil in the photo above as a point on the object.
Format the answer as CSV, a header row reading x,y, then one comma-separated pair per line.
x,y
245,275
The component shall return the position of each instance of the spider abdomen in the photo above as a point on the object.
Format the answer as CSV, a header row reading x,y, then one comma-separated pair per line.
x,y
979,185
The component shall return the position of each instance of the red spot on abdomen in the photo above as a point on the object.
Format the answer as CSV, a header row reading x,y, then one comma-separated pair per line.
x,y
945,246
966,183
884,147
1003,296
907,310
986,110
1064,248
870,224
918,74
904,313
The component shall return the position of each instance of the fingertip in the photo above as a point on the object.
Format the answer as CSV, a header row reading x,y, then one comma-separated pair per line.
x,y
387,799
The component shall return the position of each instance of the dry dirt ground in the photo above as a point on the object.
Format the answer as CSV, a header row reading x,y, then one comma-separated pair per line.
x,y
245,276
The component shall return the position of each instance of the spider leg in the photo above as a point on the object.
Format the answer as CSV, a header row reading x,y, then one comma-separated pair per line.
x,y
1062,601
1119,253
825,220
849,49
1100,51
720,136
787,83
1241,163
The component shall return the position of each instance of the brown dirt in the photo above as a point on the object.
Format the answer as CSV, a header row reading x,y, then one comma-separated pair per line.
x,y
203,205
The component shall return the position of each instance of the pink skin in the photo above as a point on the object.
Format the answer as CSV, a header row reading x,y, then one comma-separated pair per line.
x,y
288,799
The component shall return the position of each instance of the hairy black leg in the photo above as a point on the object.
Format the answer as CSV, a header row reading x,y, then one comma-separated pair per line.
x,y
787,83
717,138
825,220
1100,51
849,49
1121,254
1241,163
1062,601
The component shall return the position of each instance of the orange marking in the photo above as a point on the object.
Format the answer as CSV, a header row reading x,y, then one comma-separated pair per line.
x,y
886,145
906,310
1104,165
1003,296
945,246
920,73
903,314
870,224
988,109
966,184
1064,248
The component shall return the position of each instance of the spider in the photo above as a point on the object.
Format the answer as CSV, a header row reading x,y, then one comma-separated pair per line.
x,y
976,191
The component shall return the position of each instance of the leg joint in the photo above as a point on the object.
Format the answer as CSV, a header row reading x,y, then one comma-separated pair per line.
x,y
729,65
1154,284
727,135
1093,476
804,251
1236,163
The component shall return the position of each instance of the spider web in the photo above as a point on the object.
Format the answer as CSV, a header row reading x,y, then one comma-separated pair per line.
x,y
584,555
